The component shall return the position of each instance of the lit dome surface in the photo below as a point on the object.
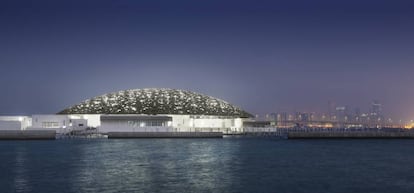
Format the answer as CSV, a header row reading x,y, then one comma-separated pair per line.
x,y
156,101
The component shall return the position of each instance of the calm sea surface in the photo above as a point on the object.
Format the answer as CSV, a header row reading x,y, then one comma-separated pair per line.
x,y
250,165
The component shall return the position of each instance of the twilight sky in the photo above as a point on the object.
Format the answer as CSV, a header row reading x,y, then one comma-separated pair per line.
x,y
264,56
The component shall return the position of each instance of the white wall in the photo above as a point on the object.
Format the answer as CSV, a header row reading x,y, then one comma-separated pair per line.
x,y
14,122
94,120
122,126
40,121
65,123
181,122
59,123
10,125
79,124
191,123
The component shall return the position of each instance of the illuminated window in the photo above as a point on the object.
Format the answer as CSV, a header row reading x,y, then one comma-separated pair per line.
x,y
50,124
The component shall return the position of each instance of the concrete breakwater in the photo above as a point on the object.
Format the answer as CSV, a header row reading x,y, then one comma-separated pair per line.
x,y
27,134
349,135
165,135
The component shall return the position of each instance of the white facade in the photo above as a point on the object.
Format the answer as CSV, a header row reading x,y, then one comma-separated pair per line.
x,y
206,123
14,122
178,123
135,123
59,123
123,123
93,120
124,126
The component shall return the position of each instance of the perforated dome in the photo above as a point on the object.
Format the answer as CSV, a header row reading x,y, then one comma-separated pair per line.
x,y
156,101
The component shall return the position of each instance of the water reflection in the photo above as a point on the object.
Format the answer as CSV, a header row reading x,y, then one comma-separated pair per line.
x,y
21,181
207,165
158,165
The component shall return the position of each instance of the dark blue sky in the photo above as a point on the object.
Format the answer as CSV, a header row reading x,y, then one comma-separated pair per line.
x,y
264,56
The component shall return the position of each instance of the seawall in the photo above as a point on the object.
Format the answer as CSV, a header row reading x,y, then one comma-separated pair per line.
x,y
27,135
350,135
118,135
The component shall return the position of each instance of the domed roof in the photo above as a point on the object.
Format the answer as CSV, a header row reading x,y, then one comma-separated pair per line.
x,y
156,101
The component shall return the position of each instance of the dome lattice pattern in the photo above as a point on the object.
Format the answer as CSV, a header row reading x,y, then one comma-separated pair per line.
x,y
156,101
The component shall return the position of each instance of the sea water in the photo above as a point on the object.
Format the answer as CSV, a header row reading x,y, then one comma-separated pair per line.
x,y
249,165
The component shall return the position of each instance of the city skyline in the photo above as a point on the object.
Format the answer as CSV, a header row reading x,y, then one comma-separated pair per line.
x,y
332,111
264,56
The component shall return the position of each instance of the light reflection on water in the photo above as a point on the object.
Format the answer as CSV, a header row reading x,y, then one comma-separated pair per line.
x,y
165,165
20,176
207,165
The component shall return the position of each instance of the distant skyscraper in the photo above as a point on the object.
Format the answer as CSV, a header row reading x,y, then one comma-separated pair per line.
x,y
331,110
303,116
357,115
376,111
273,116
283,116
281,119
376,108
341,113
